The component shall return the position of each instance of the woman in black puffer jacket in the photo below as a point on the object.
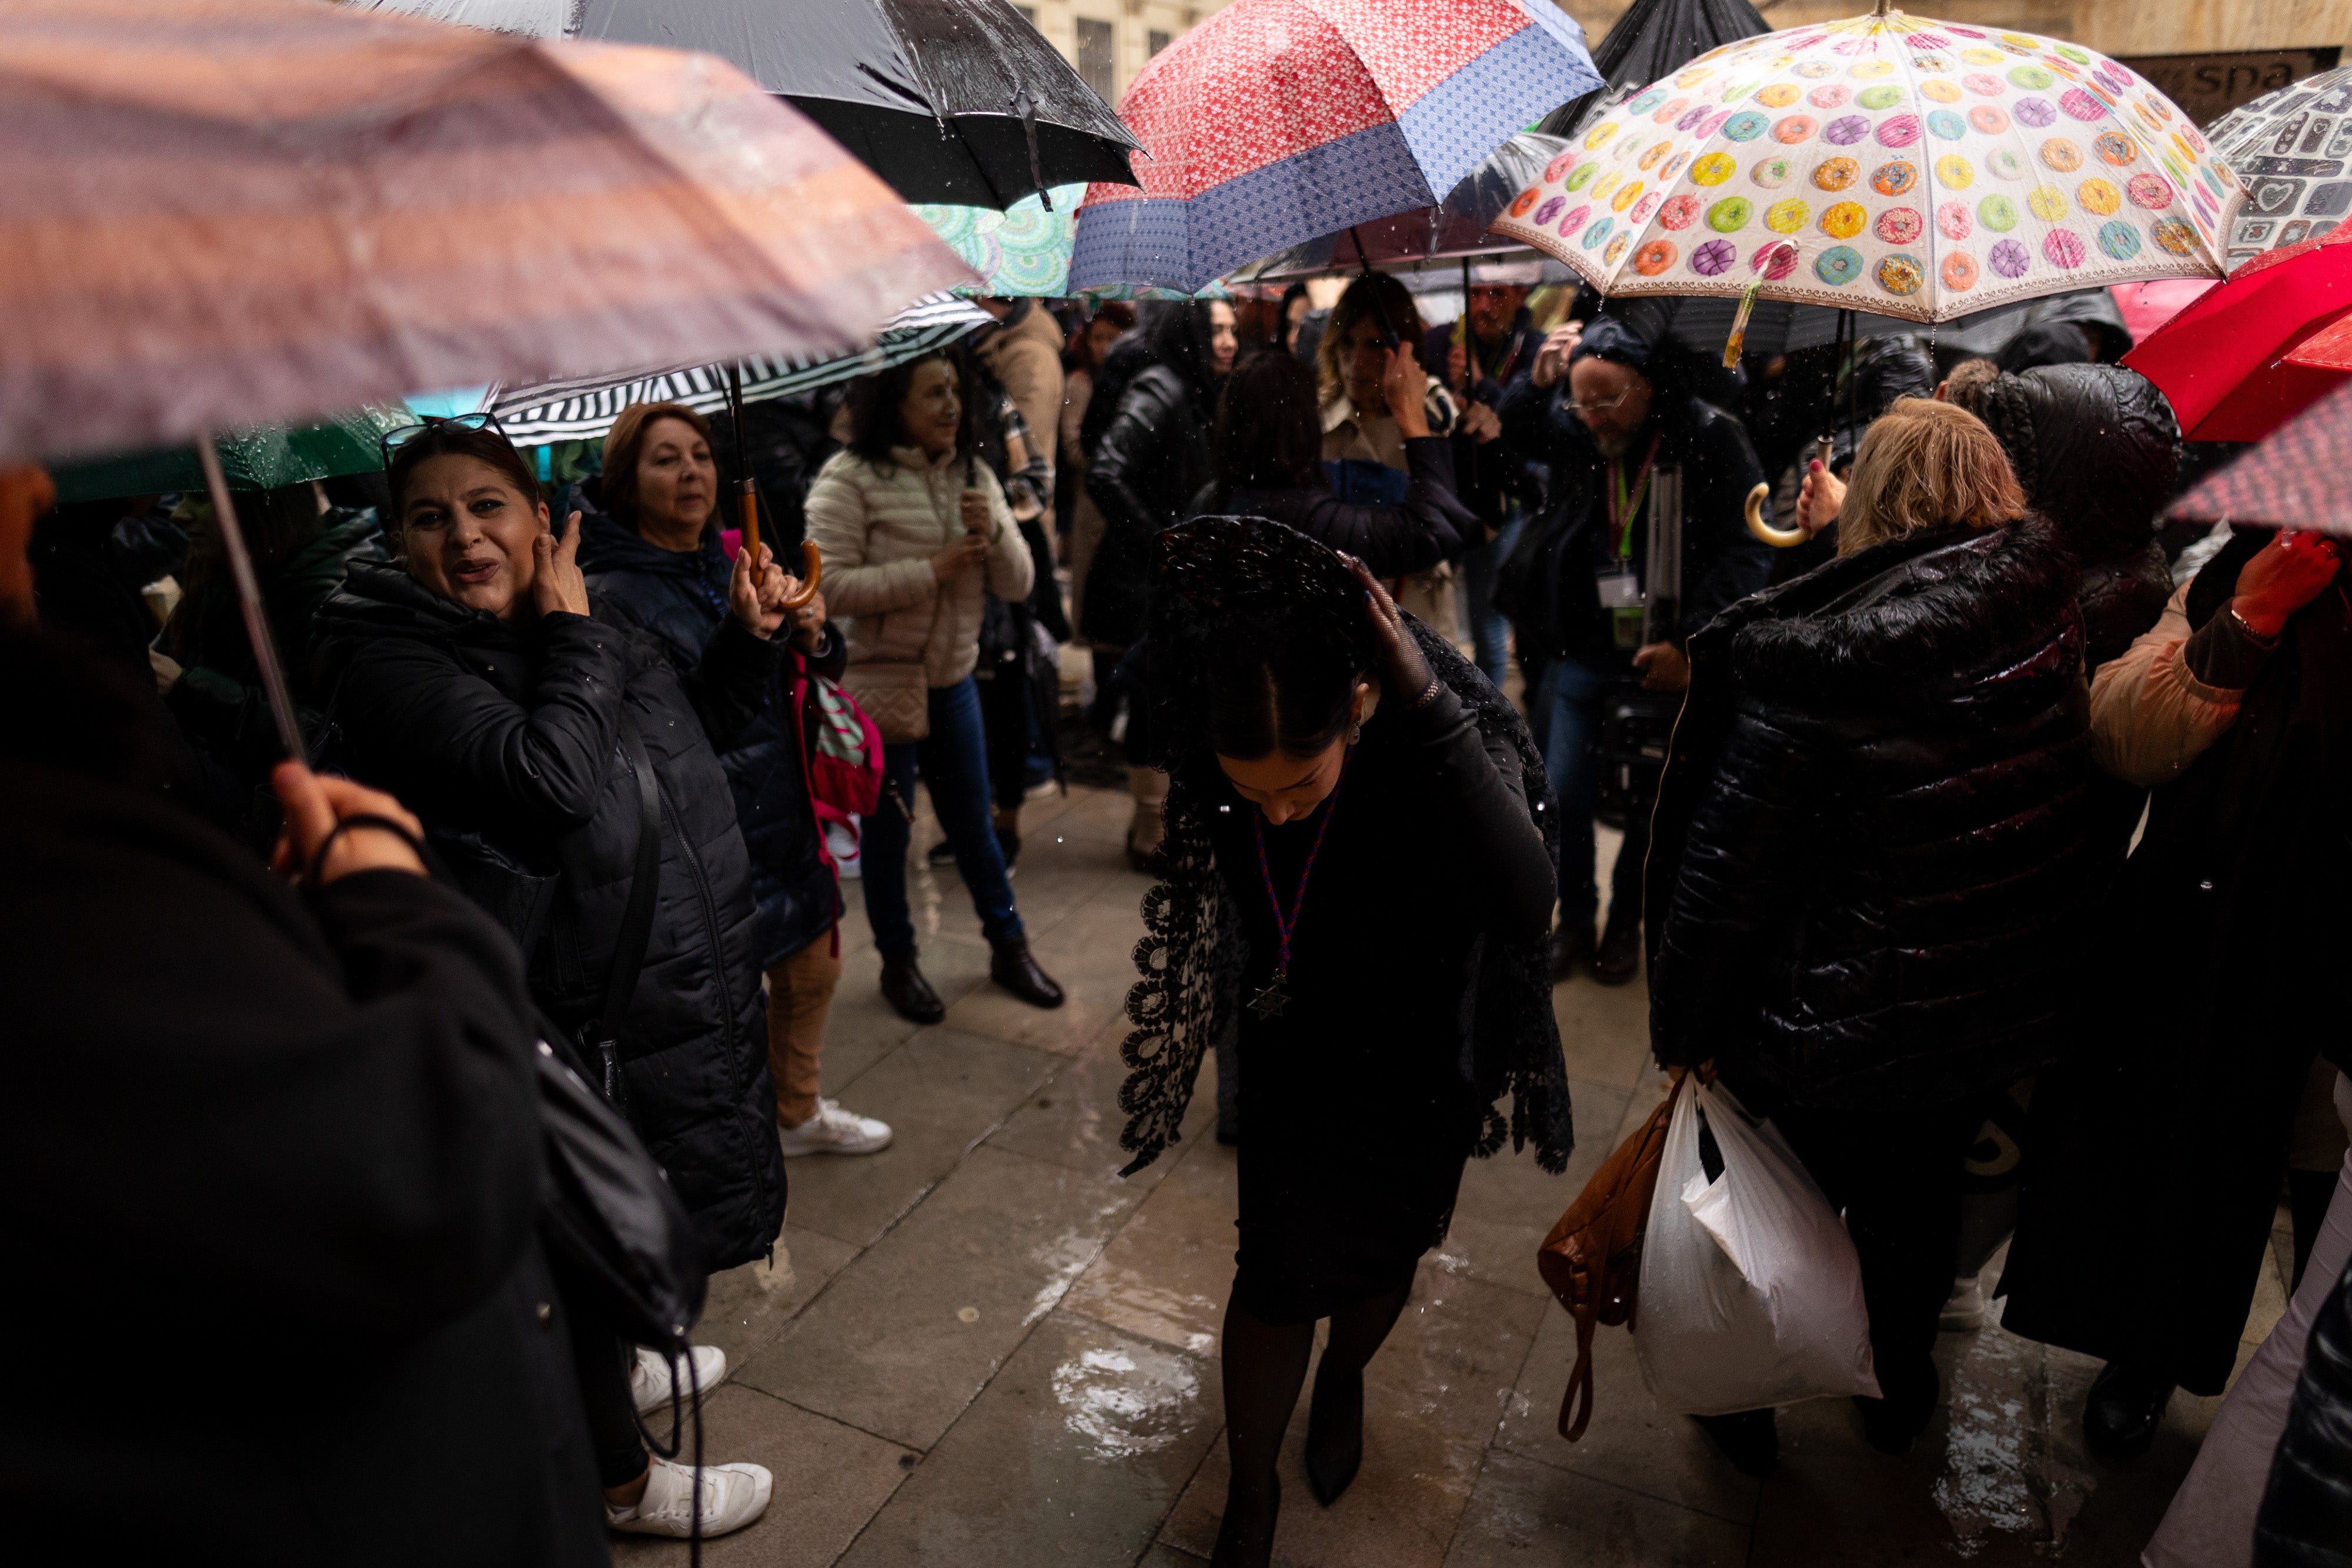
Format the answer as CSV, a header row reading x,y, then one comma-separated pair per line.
x,y
1869,850
472,676
657,554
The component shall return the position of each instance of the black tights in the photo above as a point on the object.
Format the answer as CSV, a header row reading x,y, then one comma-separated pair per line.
x,y
1265,1365
599,1361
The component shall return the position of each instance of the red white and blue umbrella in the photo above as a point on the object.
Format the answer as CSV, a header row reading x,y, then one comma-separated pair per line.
x,y
1276,121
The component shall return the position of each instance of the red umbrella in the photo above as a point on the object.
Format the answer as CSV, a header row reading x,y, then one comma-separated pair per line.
x,y
2225,361
2293,480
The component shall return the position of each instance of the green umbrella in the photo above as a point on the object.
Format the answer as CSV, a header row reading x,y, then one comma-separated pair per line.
x,y
262,458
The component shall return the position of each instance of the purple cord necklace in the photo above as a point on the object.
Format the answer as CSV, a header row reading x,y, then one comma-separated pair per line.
x,y
1269,1002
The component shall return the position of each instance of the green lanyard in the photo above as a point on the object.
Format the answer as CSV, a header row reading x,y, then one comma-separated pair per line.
x,y
1623,506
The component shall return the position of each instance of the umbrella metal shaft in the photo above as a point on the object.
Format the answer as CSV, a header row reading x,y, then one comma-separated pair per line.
x,y
248,599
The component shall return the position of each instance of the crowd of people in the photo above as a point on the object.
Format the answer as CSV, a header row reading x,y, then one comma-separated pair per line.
x,y
1980,821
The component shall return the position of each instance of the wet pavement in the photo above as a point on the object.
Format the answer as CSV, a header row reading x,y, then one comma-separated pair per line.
x,y
982,1347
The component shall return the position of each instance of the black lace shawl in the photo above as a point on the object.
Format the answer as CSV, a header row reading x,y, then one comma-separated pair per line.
x,y
1190,958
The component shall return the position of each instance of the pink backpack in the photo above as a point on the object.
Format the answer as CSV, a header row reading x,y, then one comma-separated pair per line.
x,y
846,763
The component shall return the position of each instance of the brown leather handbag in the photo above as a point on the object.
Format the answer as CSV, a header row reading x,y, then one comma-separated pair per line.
x,y
1592,1259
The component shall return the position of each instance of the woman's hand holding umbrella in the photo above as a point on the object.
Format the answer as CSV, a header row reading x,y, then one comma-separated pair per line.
x,y
334,827
756,595
2284,576
1406,387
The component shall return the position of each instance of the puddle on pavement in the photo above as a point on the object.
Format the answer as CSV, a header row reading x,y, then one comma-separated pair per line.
x,y
1121,1404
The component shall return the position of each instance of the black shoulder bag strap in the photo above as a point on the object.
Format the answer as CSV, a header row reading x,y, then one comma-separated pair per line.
x,y
600,1037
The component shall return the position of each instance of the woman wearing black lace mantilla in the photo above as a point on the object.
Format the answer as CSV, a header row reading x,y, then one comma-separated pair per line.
x,y
1359,859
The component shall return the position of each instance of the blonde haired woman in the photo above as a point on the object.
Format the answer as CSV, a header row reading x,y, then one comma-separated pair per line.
x,y
1869,858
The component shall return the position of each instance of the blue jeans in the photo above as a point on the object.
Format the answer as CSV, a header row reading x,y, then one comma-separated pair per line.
x,y
1490,629
955,761
1571,698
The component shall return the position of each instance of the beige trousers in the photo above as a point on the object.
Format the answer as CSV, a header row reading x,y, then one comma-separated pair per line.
x,y
800,999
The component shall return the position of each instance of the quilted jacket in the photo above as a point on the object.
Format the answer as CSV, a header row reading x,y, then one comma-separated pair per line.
x,y
877,528
1869,854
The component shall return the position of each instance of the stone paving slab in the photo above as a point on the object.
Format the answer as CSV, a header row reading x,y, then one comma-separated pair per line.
x,y
1074,1453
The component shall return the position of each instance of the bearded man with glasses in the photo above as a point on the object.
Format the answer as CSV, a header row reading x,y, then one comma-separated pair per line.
x,y
1601,614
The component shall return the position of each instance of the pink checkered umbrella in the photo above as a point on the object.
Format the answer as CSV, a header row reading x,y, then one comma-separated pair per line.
x,y
1276,121
2293,480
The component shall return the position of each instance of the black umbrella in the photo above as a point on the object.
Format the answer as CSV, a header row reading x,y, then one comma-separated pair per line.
x,y
960,102
1653,39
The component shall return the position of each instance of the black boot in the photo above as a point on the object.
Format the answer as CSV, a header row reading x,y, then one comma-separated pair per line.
x,y
1571,949
2124,1406
1011,967
1750,1439
909,994
1334,1433
1620,954
1245,1535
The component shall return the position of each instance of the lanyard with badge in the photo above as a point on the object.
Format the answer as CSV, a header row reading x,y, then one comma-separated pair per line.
x,y
1617,584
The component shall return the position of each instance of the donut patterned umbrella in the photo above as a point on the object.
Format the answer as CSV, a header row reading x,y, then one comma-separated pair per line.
x,y
1886,164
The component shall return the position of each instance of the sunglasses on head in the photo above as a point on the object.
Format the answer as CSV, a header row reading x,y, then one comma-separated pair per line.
x,y
391,442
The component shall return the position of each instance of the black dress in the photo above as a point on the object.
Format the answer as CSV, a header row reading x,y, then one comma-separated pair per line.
x,y
1359,1101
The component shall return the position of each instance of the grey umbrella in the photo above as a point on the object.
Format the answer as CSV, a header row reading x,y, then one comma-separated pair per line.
x,y
949,100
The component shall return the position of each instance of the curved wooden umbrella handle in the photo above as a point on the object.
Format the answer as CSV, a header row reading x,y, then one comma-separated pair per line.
x,y
1779,538
811,569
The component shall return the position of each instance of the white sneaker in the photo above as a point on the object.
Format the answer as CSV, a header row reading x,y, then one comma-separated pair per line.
x,y
1966,1310
833,1131
649,1380
842,842
732,1497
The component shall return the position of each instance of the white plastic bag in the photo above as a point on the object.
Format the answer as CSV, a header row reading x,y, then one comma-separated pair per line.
x,y
1752,1293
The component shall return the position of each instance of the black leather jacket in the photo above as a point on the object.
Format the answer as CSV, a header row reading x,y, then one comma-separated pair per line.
x,y
1152,460
1869,852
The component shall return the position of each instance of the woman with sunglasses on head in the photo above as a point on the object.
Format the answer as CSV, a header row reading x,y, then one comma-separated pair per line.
x,y
1358,880
538,733
914,531
649,543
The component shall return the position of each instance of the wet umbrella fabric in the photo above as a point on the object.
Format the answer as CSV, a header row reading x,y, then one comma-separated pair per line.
x,y
219,212
262,458
1276,121
1455,228
1888,163
2228,361
2295,479
928,93
1653,39
2292,149
584,407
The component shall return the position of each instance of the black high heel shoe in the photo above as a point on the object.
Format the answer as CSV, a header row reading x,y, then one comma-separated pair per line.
x,y
1246,1536
1335,1433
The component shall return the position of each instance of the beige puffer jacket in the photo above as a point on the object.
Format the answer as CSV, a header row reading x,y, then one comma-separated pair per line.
x,y
876,530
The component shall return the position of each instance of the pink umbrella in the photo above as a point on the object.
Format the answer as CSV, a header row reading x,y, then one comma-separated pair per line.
x,y
218,212
2148,306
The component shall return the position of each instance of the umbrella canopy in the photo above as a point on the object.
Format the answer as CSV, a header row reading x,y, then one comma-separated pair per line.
x,y
949,100
1022,251
2295,479
1277,120
220,212
1653,38
2292,149
1888,163
2225,361
584,407
1454,229
258,459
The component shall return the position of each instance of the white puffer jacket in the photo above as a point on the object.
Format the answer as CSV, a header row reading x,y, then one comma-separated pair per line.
x,y
877,530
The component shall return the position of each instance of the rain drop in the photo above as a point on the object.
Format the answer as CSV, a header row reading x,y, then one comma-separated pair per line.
x,y
968,1314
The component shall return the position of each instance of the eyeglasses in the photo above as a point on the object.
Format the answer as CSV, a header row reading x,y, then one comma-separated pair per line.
x,y
1598,406
393,441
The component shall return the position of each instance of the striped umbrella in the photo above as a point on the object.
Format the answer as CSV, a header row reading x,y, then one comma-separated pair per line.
x,y
1277,120
585,407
